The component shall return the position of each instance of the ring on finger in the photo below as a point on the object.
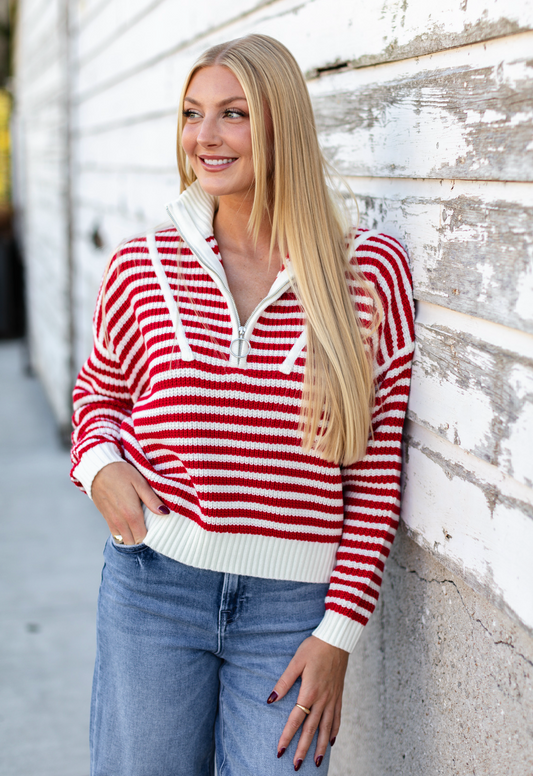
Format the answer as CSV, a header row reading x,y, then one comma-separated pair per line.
x,y
303,708
118,538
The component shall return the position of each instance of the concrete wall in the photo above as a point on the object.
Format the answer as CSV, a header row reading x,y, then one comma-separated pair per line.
x,y
441,684
427,110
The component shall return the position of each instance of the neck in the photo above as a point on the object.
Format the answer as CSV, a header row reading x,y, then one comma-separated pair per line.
x,y
231,228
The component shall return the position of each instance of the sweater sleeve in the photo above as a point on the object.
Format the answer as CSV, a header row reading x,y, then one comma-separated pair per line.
x,y
101,397
371,486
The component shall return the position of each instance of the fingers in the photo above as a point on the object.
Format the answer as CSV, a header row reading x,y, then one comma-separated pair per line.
x,y
322,668
321,716
129,521
286,680
147,495
326,734
118,491
324,717
336,722
308,723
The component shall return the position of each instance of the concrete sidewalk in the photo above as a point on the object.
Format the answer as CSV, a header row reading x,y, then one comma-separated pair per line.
x,y
49,576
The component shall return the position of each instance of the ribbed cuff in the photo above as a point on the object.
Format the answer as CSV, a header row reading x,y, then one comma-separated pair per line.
x,y
339,631
94,460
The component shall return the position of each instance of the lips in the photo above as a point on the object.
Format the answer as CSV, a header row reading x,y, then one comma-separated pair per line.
x,y
216,163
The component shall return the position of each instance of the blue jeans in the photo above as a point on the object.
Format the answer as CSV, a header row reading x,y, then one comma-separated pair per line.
x,y
186,659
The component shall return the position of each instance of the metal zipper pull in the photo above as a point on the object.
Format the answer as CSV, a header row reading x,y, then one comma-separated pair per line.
x,y
240,347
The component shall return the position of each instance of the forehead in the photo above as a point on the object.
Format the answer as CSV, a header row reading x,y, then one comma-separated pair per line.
x,y
214,83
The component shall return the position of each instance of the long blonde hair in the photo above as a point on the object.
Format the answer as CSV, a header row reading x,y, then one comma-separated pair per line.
x,y
290,185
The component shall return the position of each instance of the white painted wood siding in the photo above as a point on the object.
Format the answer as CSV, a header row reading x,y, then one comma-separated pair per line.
x,y
40,190
427,109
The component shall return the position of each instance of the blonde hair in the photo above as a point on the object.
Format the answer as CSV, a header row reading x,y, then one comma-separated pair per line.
x,y
290,186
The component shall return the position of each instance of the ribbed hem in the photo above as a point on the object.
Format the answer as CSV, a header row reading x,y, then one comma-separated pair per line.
x,y
251,555
94,460
339,631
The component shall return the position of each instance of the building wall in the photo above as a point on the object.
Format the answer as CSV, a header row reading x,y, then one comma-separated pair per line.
x,y
41,191
426,109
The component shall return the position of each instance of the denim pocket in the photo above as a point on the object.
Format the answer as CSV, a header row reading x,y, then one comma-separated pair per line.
x,y
128,549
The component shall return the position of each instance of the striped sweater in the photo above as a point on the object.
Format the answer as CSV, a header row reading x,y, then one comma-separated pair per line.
x,y
207,410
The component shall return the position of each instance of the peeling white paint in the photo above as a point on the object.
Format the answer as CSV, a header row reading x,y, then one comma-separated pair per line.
x,y
491,542
521,432
485,117
524,304
486,271
444,249
383,119
513,341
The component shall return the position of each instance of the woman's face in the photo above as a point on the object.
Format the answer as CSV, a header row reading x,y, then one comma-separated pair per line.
x,y
216,133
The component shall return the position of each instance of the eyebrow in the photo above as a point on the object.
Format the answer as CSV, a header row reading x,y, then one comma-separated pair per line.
x,y
219,104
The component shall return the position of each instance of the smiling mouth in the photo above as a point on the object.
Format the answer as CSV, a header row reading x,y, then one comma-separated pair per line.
x,y
217,162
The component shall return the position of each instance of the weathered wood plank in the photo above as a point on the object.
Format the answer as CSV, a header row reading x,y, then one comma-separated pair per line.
x,y
475,390
47,304
28,32
355,34
398,29
41,106
40,54
166,29
477,521
98,27
133,193
148,144
115,226
88,10
49,89
466,113
470,243
90,266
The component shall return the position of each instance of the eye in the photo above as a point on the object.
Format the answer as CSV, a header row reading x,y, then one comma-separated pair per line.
x,y
191,114
234,113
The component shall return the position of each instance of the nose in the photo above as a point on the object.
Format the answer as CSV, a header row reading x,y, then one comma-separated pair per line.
x,y
208,135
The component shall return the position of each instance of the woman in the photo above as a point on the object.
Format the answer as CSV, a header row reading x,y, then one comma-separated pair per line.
x,y
238,425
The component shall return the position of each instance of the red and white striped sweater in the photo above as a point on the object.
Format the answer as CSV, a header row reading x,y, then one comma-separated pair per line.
x,y
207,410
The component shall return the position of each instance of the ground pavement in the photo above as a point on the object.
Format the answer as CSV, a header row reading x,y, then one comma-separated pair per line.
x,y
52,538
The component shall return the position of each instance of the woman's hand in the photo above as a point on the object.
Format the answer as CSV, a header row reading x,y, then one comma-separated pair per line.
x,y
119,491
322,668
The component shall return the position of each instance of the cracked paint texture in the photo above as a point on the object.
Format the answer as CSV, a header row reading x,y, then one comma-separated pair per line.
x,y
472,516
471,249
476,395
462,114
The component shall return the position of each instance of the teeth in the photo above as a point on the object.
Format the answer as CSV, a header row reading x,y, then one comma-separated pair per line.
x,y
214,162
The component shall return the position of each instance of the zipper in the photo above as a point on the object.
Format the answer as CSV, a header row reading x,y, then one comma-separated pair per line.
x,y
240,344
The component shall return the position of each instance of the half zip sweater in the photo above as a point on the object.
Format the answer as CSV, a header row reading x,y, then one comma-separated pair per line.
x,y
207,409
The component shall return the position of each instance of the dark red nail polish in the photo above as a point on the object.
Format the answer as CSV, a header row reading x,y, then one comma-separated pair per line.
x,y
163,509
298,765
272,697
333,740
282,751
318,761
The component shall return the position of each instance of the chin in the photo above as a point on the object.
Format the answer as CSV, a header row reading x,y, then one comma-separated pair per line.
x,y
221,189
